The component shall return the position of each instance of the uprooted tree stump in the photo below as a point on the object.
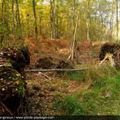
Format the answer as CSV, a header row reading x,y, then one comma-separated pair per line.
x,y
53,63
108,48
12,91
116,57
114,50
46,63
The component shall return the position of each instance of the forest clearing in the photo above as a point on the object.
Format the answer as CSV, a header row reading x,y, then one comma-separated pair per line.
x,y
59,57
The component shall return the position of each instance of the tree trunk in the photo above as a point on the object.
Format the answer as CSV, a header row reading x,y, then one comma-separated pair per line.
x,y
13,16
18,20
18,14
2,14
35,17
54,19
117,28
88,21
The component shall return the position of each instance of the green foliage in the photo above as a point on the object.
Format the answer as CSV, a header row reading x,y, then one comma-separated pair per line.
x,y
76,75
101,98
65,18
92,73
70,105
21,88
100,73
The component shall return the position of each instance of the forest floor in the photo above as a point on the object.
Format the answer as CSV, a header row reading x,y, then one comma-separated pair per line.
x,y
50,93
44,88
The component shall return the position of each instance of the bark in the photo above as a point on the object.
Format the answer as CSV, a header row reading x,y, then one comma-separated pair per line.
x,y
35,18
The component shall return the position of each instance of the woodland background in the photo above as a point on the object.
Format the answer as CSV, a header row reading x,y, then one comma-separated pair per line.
x,y
87,19
48,29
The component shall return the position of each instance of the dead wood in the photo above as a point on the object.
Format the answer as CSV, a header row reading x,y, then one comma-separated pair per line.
x,y
12,89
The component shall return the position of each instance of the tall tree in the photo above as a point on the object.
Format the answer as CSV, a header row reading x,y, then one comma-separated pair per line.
x,y
2,14
18,14
117,28
54,18
35,18
18,20
13,16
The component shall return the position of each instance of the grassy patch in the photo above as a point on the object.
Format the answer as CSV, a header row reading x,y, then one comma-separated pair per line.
x,y
76,75
101,98
70,105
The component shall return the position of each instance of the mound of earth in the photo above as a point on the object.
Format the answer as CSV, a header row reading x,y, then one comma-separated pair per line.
x,y
53,63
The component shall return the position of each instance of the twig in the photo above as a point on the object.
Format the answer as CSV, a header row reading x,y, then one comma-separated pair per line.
x,y
6,108
44,75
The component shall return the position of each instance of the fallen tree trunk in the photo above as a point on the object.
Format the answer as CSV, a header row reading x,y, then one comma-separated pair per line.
x,y
52,70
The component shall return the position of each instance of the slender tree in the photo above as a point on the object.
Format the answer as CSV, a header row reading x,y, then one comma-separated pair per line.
x,y
13,16
54,18
2,14
18,14
117,28
35,18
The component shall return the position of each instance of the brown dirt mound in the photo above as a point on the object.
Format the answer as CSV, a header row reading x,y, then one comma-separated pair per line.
x,y
52,63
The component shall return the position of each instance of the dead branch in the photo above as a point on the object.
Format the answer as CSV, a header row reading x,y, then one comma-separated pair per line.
x,y
52,70
4,106
45,75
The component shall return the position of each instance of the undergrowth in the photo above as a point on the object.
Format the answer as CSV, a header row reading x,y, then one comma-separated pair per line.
x,y
101,98
76,75
70,106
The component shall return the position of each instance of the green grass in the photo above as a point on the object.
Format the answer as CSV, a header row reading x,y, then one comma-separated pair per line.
x,y
102,97
21,88
93,73
70,105
105,99
76,75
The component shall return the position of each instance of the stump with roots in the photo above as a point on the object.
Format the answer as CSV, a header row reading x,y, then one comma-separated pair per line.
x,y
110,51
12,91
108,48
116,57
46,63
